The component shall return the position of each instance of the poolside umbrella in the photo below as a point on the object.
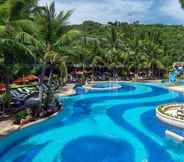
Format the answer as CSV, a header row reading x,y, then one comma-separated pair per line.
x,y
21,80
81,72
26,79
2,87
31,78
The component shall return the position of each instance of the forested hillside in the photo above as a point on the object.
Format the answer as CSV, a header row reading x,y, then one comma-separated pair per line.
x,y
135,47
32,36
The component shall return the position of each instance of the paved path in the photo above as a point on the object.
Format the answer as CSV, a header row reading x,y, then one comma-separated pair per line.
x,y
7,126
177,88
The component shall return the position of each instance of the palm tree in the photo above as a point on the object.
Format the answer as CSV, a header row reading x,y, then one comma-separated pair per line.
x,y
154,53
113,45
54,33
15,39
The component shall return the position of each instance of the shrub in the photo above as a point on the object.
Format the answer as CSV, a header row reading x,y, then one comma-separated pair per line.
x,y
19,116
6,97
165,76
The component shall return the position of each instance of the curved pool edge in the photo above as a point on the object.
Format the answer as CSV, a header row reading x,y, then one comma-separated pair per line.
x,y
92,121
24,132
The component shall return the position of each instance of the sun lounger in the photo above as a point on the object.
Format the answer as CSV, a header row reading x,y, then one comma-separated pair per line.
x,y
16,94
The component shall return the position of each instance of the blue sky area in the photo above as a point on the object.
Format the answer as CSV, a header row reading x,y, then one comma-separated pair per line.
x,y
145,11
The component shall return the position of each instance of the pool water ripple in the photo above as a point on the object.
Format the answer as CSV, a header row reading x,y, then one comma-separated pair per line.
x,y
102,126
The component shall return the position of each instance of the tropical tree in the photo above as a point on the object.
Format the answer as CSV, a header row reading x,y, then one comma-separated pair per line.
x,y
15,37
54,33
113,43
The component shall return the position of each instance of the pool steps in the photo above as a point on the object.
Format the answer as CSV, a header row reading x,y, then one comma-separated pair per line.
x,y
174,136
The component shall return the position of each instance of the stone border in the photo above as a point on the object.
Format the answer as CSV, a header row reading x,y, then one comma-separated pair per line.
x,y
171,120
15,127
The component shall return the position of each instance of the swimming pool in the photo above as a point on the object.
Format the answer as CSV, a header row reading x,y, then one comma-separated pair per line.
x,y
106,86
100,126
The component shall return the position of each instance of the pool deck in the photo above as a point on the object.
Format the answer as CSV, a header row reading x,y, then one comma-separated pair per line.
x,y
177,88
7,126
67,90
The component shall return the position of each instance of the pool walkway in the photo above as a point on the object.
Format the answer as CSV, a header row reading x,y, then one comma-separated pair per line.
x,y
67,90
177,88
7,126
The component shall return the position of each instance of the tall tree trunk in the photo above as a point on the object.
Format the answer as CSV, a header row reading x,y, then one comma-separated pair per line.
x,y
50,75
41,80
8,61
152,71
50,90
93,72
7,99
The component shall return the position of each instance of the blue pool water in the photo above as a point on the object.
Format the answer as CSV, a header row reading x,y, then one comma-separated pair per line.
x,y
106,85
100,126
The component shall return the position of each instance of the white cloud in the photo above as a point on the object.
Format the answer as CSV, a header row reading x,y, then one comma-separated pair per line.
x,y
149,11
44,2
172,8
106,10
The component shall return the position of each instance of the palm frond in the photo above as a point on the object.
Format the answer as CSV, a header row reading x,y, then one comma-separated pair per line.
x,y
2,29
98,60
51,10
4,8
20,8
22,53
25,25
68,37
28,39
64,16
15,8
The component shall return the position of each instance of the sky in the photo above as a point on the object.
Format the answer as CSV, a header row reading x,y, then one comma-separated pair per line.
x,y
103,11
